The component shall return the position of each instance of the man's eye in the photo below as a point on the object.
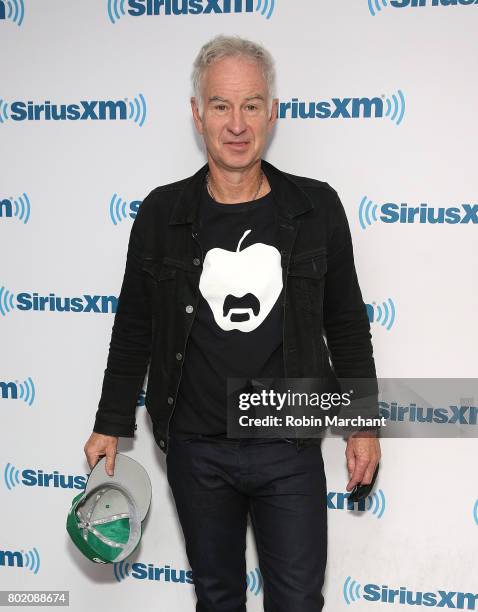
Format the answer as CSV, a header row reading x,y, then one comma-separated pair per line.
x,y
220,106
251,106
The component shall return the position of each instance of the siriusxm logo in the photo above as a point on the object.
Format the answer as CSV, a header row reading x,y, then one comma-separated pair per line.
x,y
143,571
390,107
375,6
449,415
383,313
390,212
85,110
30,477
139,8
120,209
15,207
15,390
19,558
373,503
13,10
148,571
353,591
54,303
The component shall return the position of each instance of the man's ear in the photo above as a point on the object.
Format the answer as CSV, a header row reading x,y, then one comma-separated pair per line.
x,y
196,116
274,112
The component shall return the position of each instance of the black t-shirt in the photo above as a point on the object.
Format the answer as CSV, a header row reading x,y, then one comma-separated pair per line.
x,y
237,331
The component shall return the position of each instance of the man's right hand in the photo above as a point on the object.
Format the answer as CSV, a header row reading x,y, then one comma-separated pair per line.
x,y
99,445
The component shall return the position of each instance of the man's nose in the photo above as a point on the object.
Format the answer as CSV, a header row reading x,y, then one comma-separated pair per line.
x,y
237,123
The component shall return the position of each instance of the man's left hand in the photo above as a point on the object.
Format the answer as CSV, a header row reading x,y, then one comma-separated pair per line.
x,y
363,454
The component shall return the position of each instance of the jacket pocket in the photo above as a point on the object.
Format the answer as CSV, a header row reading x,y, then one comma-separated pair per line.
x,y
159,270
306,280
160,279
309,264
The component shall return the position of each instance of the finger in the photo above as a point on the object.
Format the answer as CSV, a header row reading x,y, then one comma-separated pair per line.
x,y
350,460
352,483
357,476
351,465
369,472
91,458
110,461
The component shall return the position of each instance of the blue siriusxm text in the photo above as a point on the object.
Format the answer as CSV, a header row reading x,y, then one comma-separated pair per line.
x,y
137,8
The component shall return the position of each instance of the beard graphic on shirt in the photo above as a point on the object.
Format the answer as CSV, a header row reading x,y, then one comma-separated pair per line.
x,y
241,287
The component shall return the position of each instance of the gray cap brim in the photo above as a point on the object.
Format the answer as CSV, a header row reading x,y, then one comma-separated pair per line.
x,y
127,473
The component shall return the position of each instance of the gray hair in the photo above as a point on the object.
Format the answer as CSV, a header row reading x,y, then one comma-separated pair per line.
x,y
232,46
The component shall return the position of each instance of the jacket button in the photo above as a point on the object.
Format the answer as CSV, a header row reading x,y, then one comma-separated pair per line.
x,y
170,399
161,443
179,356
196,261
189,308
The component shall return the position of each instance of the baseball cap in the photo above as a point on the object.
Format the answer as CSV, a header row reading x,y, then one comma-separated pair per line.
x,y
105,520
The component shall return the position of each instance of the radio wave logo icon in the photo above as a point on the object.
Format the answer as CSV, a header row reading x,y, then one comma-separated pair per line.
x,y
367,212
11,476
27,391
351,590
16,207
137,109
31,560
116,10
475,512
376,503
18,390
121,570
375,6
118,209
265,7
395,107
6,301
386,313
13,10
3,111
254,581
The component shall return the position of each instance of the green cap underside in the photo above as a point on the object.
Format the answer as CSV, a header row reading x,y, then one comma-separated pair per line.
x,y
93,547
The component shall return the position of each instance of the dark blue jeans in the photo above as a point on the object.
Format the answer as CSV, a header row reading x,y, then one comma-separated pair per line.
x,y
215,484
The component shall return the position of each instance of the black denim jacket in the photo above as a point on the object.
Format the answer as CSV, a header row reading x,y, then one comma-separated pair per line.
x,y
326,330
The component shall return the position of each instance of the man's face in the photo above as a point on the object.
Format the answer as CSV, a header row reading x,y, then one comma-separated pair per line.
x,y
235,122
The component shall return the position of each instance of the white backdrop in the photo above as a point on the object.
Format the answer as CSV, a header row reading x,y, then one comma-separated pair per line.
x,y
60,180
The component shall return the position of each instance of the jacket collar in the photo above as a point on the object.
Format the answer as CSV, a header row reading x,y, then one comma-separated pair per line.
x,y
290,198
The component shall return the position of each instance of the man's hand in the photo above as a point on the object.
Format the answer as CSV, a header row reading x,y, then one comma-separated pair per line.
x,y
99,445
363,453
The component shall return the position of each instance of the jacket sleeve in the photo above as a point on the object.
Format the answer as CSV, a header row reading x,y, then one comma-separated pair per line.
x,y
346,323
130,345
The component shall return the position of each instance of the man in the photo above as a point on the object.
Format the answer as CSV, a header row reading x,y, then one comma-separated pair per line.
x,y
201,309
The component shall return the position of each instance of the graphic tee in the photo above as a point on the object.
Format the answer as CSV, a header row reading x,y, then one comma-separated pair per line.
x,y
237,331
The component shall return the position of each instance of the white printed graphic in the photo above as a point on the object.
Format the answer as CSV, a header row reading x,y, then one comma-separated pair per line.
x,y
241,287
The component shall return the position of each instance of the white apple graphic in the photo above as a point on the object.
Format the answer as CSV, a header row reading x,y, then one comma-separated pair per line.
x,y
241,287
